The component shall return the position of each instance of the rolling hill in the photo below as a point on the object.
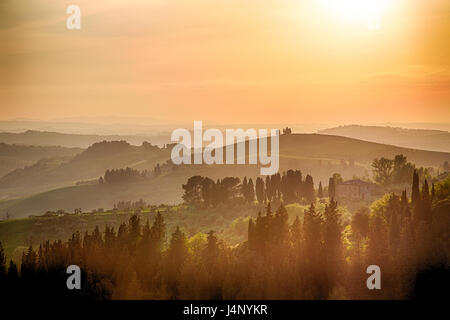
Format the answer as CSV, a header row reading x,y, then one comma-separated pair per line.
x,y
46,138
336,147
435,140
18,156
318,155
89,164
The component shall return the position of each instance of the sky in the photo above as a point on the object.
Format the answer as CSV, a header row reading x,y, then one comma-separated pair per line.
x,y
227,61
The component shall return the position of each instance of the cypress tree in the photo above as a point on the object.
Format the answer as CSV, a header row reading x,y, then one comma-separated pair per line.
x,y
320,192
310,194
331,188
244,188
415,194
260,190
426,203
250,191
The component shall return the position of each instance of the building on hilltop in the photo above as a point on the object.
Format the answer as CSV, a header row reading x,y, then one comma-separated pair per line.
x,y
287,130
355,189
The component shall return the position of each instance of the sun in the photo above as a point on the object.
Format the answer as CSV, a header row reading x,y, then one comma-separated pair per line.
x,y
367,11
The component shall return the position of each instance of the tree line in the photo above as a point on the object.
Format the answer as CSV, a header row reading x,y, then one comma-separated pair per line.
x,y
125,175
314,257
287,188
396,171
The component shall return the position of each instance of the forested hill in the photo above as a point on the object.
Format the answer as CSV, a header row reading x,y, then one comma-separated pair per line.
x,y
435,140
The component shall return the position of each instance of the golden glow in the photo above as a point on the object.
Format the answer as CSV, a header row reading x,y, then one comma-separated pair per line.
x,y
368,11
311,61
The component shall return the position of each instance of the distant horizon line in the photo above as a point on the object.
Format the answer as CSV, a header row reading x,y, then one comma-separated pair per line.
x,y
139,120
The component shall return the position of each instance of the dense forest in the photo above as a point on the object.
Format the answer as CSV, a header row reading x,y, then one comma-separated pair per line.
x,y
317,257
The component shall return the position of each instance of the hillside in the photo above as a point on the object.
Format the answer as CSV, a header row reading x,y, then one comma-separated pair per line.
x,y
89,164
19,156
318,155
336,147
46,138
435,140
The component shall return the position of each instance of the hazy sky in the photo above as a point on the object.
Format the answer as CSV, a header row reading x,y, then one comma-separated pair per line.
x,y
228,60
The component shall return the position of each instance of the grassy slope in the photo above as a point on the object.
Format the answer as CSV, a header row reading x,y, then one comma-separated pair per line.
x,y
336,147
410,138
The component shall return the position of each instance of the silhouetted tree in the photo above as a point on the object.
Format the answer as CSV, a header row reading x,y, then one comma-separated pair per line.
x,y
382,170
320,191
332,188
309,193
192,190
260,192
250,192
